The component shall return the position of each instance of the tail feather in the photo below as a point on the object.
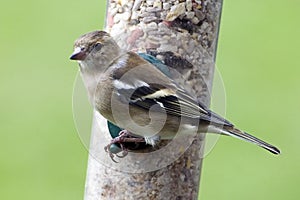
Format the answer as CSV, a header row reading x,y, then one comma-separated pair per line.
x,y
231,131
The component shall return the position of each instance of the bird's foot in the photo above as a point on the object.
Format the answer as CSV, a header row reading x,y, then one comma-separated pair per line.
x,y
123,138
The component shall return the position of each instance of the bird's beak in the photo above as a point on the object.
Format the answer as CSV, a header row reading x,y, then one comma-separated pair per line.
x,y
78,54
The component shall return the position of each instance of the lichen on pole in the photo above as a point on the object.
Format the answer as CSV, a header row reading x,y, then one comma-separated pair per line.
x,y
183,35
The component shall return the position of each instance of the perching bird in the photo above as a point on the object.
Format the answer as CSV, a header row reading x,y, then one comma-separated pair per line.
x,y
134,95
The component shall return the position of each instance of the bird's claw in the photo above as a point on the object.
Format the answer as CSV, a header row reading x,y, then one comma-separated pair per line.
x,y
124,137
124,152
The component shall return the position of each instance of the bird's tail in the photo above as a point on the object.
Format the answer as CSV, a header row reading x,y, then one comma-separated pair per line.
x,y
234,132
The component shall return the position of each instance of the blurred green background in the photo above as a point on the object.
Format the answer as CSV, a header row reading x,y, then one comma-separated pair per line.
x,y
258,56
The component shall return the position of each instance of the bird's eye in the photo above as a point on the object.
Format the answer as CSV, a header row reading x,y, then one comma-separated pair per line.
x,y
97,46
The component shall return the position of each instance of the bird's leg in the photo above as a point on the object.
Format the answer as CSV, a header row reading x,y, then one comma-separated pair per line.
x,y
124,137
124,133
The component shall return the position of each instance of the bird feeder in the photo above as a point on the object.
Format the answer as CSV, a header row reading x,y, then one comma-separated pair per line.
x,y
183,35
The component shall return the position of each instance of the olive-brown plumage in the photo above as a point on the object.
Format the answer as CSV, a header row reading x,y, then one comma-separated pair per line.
x,y
134,95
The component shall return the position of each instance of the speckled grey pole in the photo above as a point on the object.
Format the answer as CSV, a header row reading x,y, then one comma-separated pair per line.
x,y
183,34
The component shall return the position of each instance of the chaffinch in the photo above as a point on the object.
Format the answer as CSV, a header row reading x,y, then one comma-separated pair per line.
x,y
137,96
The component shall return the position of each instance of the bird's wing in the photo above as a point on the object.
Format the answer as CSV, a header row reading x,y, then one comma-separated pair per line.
x,y
140,87
177,103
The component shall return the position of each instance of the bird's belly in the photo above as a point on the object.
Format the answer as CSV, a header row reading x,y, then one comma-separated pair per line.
x,y
165,128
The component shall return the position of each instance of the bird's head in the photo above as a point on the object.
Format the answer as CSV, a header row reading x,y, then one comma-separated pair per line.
x,y
96,48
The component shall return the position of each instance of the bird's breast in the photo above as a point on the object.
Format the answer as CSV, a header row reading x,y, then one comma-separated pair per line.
x,y
103,98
